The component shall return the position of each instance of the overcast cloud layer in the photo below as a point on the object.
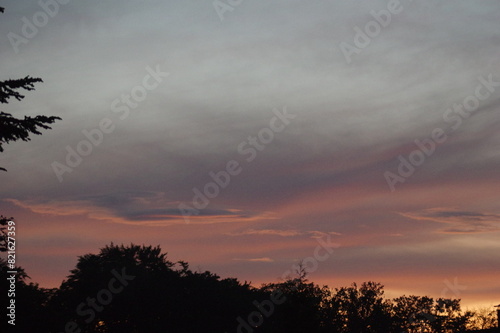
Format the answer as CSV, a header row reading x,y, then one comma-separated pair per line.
x,y
391,150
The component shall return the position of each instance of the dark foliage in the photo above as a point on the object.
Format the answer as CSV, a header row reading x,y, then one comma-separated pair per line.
x,y
31,310
159,295
3,232
134,288
12,128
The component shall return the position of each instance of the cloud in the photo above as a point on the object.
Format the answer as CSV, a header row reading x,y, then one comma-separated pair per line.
x,y
264,259
283,233
321,175
322,234
134,209
61,207
270,232
464,222
166,217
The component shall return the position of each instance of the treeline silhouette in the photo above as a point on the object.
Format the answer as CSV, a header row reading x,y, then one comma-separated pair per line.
x,y
137,289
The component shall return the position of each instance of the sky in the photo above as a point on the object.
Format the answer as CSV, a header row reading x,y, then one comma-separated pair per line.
x,y
240,135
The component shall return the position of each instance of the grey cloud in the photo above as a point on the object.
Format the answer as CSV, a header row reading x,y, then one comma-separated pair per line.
x,y
463,221
227,76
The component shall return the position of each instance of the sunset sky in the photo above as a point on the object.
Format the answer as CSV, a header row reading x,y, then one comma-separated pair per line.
x,y
374,124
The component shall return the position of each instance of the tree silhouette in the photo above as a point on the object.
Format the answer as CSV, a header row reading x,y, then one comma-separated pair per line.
x,y
450,318
3,233
413,314
136,289
362,310
132,289
11,128
303,309
30,301
483,318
